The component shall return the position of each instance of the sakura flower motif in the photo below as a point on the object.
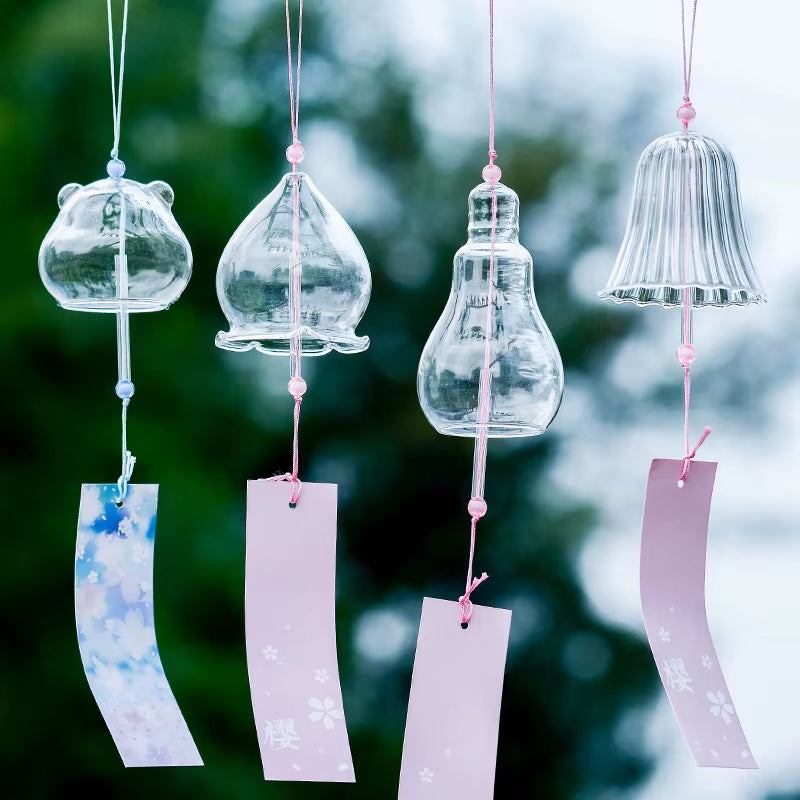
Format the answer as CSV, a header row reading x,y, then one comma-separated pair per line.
x,y
80,545
136,637
92,577
707,662
663,634
125,527
720,707
426,775
321,675
324,712
270,653
140,552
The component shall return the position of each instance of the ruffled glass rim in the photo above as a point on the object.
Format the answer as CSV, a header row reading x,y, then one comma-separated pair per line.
x,y
672,296
279,342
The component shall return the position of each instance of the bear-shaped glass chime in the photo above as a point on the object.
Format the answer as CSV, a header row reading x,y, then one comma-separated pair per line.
x,y
685,246
116,248
294,281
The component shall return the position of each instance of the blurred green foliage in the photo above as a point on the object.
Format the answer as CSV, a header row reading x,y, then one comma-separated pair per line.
x,y
204,421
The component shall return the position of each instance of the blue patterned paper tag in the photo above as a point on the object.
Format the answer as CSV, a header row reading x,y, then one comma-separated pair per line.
x,y
116,633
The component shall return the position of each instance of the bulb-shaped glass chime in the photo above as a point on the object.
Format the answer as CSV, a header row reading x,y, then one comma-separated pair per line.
x,y
257,271
525,370
685,229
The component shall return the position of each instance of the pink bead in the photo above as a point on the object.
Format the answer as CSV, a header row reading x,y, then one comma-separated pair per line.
x,y
297,387
686,113
477,507
686,354
295,153
491,173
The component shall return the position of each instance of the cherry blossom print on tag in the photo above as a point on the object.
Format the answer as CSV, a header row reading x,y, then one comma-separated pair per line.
x,y
116,633
290,622
450,744
673,569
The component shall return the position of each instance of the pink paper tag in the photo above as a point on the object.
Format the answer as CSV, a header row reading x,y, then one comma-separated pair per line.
x,y
673,576
291,633
450,745
116,632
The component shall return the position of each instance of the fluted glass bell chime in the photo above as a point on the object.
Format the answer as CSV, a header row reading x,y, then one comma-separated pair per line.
x,y
116,248
685,246
294,281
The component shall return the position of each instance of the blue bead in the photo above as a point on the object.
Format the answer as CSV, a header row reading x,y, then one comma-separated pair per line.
x,y
124,390
115,168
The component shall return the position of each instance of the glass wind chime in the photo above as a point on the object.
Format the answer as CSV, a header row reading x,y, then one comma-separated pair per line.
x,y
685,246
490,369
294,281
116,248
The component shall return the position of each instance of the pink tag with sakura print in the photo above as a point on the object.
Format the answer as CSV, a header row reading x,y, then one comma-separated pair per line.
x,y
290,579
673,574
450,744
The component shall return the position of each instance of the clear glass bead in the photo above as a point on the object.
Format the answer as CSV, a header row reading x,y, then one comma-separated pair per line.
x,y
527,377
77,257
255,275
685,229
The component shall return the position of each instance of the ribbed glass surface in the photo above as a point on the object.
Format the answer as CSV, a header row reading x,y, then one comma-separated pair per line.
x,y
255,273
77,257
527,377
685,229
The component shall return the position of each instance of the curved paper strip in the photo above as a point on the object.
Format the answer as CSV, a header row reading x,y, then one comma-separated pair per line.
x,y
290,623
450,744
673,577
114,615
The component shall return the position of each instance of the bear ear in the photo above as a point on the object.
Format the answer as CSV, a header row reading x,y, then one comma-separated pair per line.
x,y
164,191
67,192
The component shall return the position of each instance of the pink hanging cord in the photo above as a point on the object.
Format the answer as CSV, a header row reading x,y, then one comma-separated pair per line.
x,y
686,112
686,353
295,154
477,505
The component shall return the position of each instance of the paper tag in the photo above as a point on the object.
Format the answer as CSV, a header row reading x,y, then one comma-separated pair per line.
x,y
290,626
117,637
450,745
673,576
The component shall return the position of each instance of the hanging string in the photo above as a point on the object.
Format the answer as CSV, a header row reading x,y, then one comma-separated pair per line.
x,y
116,169
295,154
686,353
477,505
116,90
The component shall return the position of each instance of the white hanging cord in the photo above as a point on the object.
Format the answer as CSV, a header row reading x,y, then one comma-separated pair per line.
x,y
116,90
116,169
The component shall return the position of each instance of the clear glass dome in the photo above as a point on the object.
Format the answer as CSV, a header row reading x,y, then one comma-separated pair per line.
x,y
77,257
685,229
527,377
254,277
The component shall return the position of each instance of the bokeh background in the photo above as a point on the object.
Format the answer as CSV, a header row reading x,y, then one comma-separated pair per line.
x,y
393,120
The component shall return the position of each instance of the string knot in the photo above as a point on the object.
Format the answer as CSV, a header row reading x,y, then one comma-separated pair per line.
x,y
128,463
465,602
691,454
297,486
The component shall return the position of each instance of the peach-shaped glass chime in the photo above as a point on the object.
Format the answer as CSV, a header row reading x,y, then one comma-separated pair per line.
x,y
258,269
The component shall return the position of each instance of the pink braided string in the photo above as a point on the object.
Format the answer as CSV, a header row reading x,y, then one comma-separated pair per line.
x,y
686,352
687,59
297,386
294,82
477,504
